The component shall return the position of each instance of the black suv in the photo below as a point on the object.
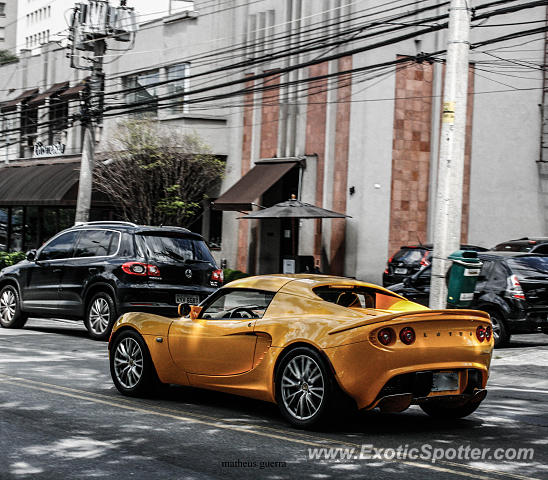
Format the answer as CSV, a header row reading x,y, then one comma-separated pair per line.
x,y
512,288
99,270
409,259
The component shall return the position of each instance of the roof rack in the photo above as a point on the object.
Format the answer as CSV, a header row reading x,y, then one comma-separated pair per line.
x,y
106,222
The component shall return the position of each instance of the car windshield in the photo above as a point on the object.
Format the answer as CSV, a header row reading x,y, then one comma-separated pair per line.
x,y
514,247
409,255
176,249
529,267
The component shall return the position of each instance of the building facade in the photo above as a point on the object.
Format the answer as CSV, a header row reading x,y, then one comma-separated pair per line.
x,y
8,25
336,102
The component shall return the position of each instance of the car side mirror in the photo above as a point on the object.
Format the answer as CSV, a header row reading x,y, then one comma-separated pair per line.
x,y
31,255
183,309
408,281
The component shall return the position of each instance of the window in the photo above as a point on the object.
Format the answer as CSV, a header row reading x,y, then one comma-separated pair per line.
x,y
178,86
97,243
173,249
144,90
238,303
29,119
58,117
60,247
3,9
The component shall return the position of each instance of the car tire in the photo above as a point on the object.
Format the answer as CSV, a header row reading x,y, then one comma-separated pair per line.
x,y
131,366
100,316
306,390
11,315
441,409
501,336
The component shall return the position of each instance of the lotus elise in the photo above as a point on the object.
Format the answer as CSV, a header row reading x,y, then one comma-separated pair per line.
x,y
308,343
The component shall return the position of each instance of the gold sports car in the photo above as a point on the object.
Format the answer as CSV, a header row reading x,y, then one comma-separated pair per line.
x,y
308,343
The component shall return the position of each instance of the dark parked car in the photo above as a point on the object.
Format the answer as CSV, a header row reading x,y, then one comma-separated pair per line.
x,y
525,244
99,270
512,288
409,259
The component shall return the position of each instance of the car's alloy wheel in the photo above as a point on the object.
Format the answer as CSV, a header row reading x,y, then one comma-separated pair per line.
x,y
500,335
128,362
131,366
100,316
10,310
302,387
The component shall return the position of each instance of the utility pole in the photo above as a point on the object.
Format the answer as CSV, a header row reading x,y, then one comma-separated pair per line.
x,y
447,228
92,24
94,108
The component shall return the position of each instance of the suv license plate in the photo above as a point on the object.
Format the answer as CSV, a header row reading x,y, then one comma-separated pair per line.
x,y
190,299
400,271
445,381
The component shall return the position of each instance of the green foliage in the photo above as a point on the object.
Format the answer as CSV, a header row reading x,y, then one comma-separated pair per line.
x,y
230,275
7,57
10,258
156,175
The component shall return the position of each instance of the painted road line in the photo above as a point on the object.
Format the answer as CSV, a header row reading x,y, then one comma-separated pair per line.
x,y
277,434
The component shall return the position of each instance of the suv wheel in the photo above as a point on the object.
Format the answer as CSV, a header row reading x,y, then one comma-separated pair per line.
x,y
100,316
11,315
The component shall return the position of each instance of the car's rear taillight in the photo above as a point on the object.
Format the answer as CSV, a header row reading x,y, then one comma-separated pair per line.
x,y
217,276
141,269
513,288
407,335
386,336
488,333
424,260
388,264
480,333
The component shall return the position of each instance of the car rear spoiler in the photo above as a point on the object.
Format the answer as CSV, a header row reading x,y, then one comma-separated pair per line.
x,y
431,314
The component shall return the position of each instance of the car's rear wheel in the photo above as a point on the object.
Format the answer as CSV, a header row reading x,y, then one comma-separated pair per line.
x,y
100,316
305,387
501,336
442,409
131,367
11,315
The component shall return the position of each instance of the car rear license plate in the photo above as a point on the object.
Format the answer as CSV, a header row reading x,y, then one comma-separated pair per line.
x,y
445,381
400,271
190,299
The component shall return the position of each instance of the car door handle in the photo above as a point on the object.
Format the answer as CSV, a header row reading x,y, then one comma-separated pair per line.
x,y
57,270
92,270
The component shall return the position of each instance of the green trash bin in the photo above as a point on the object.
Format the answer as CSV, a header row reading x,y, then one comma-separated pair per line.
x,y
463,276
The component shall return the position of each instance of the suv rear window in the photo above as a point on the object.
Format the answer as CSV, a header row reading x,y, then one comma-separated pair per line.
x,y
175,249
527,267
409,255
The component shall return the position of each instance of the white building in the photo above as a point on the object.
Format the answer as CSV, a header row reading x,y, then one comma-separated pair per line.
x,y
8,17
41,21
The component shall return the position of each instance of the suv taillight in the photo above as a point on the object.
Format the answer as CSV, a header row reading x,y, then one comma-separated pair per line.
x,y
513,288
388,264
217,276
424,260
141,269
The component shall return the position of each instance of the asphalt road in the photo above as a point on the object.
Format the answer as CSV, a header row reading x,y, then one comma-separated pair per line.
x,y
62,418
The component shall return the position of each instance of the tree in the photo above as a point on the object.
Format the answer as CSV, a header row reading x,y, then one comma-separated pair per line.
x,y
7,57
155,176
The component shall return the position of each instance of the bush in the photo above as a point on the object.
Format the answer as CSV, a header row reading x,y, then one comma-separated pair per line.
x,y
10,258
230,275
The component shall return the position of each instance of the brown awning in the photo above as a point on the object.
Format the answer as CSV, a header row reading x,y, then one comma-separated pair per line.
x,y
73,92
252,185
45,184
12,104
54,89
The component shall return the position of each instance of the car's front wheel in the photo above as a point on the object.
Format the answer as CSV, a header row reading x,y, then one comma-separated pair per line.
x,y
100,316
131,367
305,387
11,315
